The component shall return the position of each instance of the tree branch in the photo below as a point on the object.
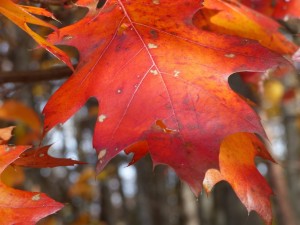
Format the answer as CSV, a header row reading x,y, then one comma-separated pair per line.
x,y
34,76
50,2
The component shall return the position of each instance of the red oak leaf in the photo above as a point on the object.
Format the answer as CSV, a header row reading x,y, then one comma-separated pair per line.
x,y
39,158
160,79
279,9
21,207
237,167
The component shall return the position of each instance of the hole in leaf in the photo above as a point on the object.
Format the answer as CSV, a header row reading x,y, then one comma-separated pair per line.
x,y
238,85
72,52
101,3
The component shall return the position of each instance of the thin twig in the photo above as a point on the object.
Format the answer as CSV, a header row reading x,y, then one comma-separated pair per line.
x,y
34,76
50,2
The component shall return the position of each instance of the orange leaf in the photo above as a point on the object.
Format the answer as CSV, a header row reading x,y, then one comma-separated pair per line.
x,y
5,134
16,111
279,9
20,15
237,167
13,176
158,78
230,17
21,207
38,11
39,158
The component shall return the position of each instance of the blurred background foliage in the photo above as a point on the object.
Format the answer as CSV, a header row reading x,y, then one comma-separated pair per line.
x,y
137,194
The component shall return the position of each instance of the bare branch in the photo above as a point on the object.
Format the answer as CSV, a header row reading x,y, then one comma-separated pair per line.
x,y
50,2
34,76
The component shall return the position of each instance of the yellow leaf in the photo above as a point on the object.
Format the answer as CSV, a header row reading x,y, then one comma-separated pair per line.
x,y
21,16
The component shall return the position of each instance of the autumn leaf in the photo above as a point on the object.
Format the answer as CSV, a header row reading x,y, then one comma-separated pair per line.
x,y
233,18
22,16
24,117
230,17
21,207
139,150
237,167
12,110
13,176
160,79
39,158
279,9
287,9
5,134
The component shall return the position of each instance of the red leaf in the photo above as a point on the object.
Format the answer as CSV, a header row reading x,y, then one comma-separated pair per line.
x,y
145,62
139,149
237,167
21,207
39,158
287,8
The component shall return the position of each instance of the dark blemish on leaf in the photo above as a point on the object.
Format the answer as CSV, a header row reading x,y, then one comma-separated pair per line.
x,y
154,34
118,48
258,149
244,41
98,44
188,145
186,100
